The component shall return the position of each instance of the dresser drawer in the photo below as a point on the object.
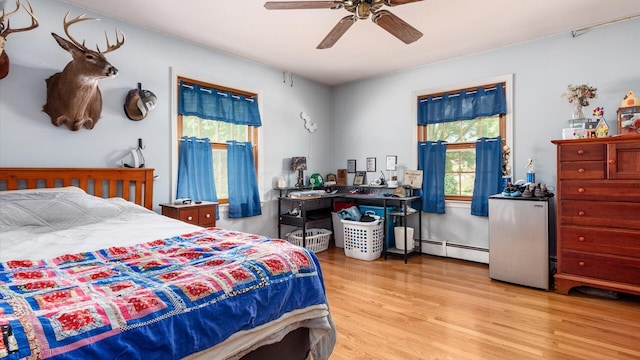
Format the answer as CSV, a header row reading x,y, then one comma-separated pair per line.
x,y
600,240
582,152
612,268
585,170
625,191
600,214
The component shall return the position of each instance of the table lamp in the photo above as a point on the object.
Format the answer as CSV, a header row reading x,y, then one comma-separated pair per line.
x,y
299,163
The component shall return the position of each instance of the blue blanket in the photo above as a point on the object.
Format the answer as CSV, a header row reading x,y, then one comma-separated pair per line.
x,y
164,299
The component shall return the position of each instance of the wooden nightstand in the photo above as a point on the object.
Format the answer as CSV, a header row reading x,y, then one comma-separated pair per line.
x,y
203,214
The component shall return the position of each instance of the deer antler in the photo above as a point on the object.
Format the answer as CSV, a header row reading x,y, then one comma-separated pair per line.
x,y
67,23
115,46
9,30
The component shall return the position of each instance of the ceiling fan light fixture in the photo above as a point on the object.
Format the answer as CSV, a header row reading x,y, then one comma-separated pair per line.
x,y
363,10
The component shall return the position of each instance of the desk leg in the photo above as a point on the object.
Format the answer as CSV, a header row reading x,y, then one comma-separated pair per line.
x,y
303,213
384,229
279,217
404,220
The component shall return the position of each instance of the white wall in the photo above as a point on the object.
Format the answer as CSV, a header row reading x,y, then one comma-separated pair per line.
x,y
374,117
28,139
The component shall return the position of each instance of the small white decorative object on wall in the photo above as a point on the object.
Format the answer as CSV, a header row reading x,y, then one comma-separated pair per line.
x,y
311,126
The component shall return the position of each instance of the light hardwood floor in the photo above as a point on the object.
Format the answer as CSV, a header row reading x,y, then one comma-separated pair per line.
x,y
439,308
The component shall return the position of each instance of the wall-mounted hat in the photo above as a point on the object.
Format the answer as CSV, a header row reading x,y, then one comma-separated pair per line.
x,y
138,103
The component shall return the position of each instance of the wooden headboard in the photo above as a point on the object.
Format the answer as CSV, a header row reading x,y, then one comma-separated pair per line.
x,y
131,184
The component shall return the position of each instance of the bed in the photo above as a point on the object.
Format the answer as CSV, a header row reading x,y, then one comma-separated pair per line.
x,y
88,271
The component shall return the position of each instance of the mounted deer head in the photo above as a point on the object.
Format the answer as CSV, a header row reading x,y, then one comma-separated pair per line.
x,y
5,30
73,96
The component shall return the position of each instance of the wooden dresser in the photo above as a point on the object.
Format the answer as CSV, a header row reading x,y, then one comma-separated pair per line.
x,y
598,214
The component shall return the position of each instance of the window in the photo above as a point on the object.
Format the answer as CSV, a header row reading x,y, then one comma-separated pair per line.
x,y
218,132
461,136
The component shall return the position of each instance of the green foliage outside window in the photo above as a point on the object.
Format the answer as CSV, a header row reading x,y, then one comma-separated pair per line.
x,y
218,133
461,136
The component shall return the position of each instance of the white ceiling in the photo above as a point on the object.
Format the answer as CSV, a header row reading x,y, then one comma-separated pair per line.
x,y
287,39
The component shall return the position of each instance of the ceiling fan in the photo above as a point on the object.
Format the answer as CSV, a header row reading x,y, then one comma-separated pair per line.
x,y
361,10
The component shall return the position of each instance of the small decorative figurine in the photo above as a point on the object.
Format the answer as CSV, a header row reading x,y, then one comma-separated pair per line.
x,y
602,129
630,100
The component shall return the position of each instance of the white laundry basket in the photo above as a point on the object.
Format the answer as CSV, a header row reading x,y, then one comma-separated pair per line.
x,y
363,240
316,240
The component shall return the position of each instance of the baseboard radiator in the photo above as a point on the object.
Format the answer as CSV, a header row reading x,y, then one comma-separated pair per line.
x,y
456,251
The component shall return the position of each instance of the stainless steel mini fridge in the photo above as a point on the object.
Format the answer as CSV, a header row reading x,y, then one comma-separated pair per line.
x,y
519,240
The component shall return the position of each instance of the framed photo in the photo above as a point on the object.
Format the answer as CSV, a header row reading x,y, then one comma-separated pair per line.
x,y
413,178
351,166
371,164
392,162
359,178
342,177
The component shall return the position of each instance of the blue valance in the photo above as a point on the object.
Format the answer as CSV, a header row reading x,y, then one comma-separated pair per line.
x,y
214,104
463,105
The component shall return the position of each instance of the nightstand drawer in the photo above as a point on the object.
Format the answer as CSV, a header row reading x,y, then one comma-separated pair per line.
x,y
207,215
189,215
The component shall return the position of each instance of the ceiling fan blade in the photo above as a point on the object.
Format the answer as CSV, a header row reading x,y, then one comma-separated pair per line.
x,y
336,33
399,2
287,5
396,26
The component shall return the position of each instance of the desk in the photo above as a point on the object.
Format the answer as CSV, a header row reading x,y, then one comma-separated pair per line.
x,y
325,206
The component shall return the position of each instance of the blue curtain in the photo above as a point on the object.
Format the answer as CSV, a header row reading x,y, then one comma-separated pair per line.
x,y
464,105
195,170
431,160
213,104
488,174
244,198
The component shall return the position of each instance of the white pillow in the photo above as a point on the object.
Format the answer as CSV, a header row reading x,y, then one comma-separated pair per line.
x,y
58,189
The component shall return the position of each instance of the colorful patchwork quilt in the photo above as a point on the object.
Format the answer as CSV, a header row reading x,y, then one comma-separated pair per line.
x,y
163,299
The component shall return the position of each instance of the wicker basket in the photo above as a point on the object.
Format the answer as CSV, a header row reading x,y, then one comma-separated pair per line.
x,y
363,240
317,240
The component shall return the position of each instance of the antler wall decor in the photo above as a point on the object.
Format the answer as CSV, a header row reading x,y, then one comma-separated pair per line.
x,y
73,96
5,30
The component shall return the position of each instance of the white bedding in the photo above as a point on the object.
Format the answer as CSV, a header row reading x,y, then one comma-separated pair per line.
x,y
39,224
70,221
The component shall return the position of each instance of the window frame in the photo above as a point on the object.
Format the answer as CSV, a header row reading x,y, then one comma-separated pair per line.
x,y
506,120
176,124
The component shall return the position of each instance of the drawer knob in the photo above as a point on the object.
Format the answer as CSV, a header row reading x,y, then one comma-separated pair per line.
x,y
612,161
581,213
208,215
580,152
581,238
581,170
581,190
581,263
190,218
